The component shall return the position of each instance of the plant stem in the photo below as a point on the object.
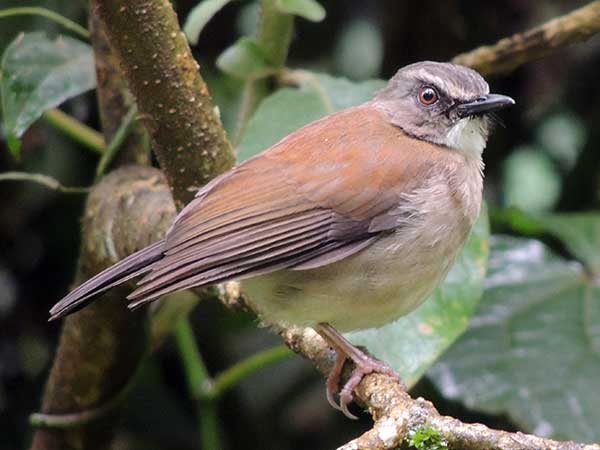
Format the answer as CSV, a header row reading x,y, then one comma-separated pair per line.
x,y
48,14
76,130
195,370
252,93
274,35
117,142
199,382
232,376
44,180
78,419
208,422
274,32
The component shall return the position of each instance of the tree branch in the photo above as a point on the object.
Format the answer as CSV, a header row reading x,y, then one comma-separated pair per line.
x,y
173,100
396,414
509,53
101,347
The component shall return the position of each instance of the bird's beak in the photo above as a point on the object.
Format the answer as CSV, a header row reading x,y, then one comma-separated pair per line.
x,y
484,104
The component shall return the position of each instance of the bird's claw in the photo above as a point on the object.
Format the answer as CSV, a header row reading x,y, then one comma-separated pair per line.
x,y
362,367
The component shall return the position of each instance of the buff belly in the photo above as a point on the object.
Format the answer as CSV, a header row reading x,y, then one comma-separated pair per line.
x,y
369,289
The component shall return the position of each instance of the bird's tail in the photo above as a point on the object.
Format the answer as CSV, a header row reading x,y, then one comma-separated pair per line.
x,y
126,269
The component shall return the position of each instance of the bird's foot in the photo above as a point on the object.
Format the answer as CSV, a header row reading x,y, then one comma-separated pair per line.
x,y
364,364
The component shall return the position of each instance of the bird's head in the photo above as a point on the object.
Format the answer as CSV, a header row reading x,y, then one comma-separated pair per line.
x,y
442,103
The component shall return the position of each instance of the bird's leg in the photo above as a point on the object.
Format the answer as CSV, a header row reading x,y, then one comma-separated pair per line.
x,y
364,364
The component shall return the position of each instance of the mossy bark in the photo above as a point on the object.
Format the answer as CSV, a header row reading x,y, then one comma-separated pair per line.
x,y
173,100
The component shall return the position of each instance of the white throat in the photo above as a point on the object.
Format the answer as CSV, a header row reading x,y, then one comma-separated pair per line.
x,y
469,136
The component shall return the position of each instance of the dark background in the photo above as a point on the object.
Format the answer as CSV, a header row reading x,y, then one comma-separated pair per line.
x,y
284,407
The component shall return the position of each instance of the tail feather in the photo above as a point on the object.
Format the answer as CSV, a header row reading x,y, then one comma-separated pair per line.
x,y
126,269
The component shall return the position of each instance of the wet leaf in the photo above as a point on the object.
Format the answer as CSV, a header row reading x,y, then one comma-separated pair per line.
x,y
532,350
39,73
579,232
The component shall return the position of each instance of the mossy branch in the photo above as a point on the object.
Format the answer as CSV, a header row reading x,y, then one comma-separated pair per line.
x,y
102,346
173,100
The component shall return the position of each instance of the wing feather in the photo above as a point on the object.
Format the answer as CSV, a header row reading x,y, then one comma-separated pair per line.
x,y
308,201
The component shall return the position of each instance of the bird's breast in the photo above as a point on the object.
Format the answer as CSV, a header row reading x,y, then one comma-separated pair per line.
x,y
386,280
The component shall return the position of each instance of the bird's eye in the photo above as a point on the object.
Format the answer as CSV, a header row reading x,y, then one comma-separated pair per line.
x,y
428,96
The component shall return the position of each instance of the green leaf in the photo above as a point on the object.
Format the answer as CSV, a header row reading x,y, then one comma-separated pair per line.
x,y
517,220
38,74
580,233
308,9
291,108
532,350
245,59
414,342
14,145
199,16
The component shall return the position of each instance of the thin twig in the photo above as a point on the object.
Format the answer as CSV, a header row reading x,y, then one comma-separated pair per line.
x,y
512,52
396,414
199,382
44,180
48,14
196,373
229,378
117,141
76,130
80,418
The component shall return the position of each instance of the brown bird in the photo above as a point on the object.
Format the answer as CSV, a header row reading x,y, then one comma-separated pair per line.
x,y
348,223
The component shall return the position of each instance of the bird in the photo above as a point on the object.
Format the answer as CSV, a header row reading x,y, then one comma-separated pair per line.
x,y
348,223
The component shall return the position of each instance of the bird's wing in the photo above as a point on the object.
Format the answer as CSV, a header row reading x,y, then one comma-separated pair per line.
x,y
320,195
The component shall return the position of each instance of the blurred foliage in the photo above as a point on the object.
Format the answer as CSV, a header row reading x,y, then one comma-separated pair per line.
x,y
531,182
246,60
530,353
307,9
360,37
199,17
